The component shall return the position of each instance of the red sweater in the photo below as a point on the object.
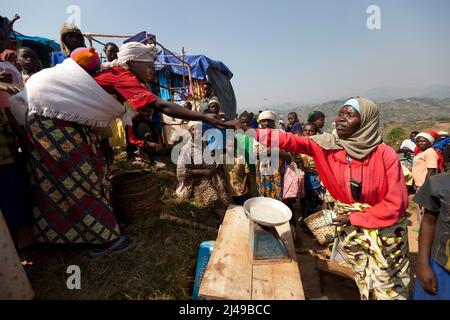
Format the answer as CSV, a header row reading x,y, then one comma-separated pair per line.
x,y
383,183
141,143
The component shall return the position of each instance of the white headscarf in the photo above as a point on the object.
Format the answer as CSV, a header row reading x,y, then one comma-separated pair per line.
x,y
267,115
134,51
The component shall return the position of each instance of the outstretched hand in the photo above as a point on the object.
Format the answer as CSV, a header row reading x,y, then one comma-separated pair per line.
x,y
216,121
236,125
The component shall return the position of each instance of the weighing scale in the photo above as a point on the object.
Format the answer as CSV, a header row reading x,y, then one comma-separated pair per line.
x,y
266,245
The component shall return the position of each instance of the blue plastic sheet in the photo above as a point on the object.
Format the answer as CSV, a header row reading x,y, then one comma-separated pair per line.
x,y
52,44
199,65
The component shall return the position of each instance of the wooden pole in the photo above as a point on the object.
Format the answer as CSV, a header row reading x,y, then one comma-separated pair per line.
x,y
88,34
183,62
184,77
185,222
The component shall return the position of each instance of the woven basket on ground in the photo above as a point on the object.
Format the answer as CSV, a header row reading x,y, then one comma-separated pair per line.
x,y
135,194
324,233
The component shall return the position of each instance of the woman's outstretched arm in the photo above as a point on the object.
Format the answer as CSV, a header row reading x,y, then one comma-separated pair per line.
x,y
174,110
286,141
277,138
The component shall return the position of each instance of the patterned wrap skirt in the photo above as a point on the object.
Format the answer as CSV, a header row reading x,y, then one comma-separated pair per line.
x,y
379,260
68,184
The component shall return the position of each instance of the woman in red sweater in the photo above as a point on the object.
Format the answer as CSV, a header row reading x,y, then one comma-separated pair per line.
x,y
365,178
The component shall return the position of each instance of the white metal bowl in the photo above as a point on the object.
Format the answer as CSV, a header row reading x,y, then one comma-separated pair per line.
x,y
267,211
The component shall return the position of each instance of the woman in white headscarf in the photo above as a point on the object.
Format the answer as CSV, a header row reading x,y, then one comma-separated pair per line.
x,y
66,105
199,179
365,178
269,176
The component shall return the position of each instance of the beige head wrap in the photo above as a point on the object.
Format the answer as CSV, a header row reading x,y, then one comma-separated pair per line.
x,y
213,101
365,140
65,29
267,115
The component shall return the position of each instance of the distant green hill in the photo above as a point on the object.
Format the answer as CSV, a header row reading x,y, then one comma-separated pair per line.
x,y
401,111
409,114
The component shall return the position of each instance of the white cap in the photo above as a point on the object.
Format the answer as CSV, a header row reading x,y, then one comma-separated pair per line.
x,y
267,115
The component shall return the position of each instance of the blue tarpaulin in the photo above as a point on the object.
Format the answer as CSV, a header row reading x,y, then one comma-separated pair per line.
x,y
199,65
54,45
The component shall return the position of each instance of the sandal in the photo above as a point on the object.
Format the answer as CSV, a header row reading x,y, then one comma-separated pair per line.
x,y
121,245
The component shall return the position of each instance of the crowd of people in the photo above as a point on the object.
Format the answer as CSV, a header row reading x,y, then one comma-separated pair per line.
x,y
54,158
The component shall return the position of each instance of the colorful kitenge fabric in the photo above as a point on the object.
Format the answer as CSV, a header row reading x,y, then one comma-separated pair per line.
x,y
269,185
68,184
210,191
379,260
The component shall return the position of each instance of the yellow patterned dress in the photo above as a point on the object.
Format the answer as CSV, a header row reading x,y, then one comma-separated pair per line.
x,y
378,257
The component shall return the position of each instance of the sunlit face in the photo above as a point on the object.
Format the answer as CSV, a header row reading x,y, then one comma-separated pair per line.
x,y
309,130
142,69
245,120
348,122
267,124
292,119
214,108
320,123
28,60
111,52
73,41
422,143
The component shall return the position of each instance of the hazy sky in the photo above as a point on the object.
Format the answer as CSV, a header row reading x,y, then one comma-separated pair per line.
x,y
279,51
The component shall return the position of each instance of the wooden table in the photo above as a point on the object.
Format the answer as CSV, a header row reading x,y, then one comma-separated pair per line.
x,y
231,275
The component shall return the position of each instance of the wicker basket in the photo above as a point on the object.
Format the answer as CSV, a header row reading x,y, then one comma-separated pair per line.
x,y
135,195
132,181
323,232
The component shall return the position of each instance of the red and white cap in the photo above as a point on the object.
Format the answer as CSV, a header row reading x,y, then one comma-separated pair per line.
x,y
427,136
